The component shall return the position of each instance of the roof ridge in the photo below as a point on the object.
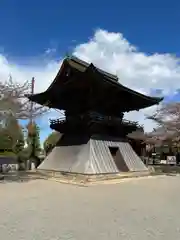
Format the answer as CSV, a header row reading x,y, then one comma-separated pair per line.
x,y
77,60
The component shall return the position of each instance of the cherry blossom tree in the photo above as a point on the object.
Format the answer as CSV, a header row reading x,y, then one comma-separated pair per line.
x,y
15,105
13,101
167,118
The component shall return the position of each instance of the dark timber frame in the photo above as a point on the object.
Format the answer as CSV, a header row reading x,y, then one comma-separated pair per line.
x,y
80,83
94,103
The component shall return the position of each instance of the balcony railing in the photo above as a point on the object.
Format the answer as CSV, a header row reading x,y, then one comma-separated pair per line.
x,y
94,117
57,121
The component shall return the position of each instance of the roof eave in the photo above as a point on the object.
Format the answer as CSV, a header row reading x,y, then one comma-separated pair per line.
x,y
152,100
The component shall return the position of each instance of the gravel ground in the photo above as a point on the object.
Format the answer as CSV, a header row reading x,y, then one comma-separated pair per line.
x,y
135,210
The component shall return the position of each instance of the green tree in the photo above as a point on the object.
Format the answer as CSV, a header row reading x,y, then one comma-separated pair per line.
x,y
11,135
15,132
33,139
34,145
51,141
19,146
6,143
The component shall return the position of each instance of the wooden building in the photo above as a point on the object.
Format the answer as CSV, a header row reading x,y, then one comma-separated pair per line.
x,y
94,134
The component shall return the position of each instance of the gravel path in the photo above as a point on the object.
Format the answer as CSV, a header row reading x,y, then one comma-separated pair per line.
x,y
134,210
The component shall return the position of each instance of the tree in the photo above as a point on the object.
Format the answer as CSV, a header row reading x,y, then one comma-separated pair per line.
x,y
11,134
5,141
51,141
11,138
19,146
33,141
13,100
15,132
167,118
14,105
33,138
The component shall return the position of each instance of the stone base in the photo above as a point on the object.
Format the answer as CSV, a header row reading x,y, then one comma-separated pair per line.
x,y
86,179
96,155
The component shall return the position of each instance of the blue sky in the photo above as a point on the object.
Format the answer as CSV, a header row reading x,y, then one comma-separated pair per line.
x,y
30,27
137,40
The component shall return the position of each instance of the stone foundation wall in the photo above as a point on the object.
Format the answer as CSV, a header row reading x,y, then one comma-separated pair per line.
x,y
89,177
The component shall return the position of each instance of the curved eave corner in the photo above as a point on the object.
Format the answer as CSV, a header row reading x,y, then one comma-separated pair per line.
x,y
39,98
157,100
148,99
151,101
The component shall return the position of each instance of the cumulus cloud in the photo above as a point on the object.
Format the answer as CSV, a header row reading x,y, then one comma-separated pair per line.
x,y
135,69
156,74
43,74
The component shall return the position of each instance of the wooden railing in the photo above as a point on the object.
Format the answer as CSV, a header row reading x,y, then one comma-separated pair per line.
x,y
96,117
58,120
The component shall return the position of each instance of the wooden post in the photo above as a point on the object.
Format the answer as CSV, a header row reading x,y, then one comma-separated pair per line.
x,y
31,125
32,92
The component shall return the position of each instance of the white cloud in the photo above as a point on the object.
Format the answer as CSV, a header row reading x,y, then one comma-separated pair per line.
x,y
43,74
134,68
113,53
50,51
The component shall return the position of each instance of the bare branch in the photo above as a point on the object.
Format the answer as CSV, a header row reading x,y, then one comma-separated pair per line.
x,y
12,98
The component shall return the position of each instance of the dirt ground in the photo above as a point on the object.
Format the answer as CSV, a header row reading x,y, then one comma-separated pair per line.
x,y
146,208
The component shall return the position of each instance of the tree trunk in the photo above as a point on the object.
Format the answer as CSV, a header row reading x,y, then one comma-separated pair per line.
x,y
28,165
